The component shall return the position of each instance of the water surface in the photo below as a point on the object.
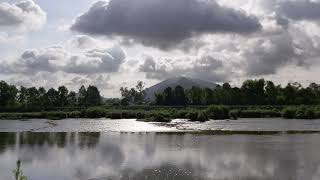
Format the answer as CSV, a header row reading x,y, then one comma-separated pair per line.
x,y
177,125
138,156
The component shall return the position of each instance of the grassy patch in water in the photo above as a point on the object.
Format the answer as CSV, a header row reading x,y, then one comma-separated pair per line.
x,y
192,113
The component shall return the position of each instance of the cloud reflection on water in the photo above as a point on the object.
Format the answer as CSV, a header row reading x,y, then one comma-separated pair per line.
x,y
159,156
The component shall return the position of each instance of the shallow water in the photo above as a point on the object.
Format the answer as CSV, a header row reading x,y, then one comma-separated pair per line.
x,y
103,149
131,125
138,156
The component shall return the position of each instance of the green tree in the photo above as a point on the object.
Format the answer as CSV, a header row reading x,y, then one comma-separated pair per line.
x,y
72,99
168,96
208,97
52,98
180,96
63,96
33,97
8,94
271,93
253,91
93,97
42,96
22,96
140,92
82,96
195,95
159,99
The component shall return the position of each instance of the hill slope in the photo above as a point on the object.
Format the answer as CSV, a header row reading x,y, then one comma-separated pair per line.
x,y
186,83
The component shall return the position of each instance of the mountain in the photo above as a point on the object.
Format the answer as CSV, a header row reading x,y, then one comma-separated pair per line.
x,y
186,83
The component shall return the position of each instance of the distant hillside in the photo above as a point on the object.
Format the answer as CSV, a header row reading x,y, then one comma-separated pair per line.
x,y
186,83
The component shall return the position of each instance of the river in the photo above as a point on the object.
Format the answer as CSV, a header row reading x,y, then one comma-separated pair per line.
x,y
126,149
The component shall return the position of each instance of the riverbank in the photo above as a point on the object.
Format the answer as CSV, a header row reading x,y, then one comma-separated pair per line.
x,y
166,114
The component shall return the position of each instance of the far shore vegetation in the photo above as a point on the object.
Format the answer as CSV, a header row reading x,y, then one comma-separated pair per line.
x,y
254,99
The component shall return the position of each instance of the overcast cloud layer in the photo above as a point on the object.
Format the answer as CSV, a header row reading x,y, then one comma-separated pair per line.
x,y
118,42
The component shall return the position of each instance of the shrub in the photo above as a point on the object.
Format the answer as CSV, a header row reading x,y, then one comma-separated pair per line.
x,y
158,117
128,115
193,115
218,112
234,114
289,113
258,113
94,112
202,116
310,114
140,115
180,114
116,115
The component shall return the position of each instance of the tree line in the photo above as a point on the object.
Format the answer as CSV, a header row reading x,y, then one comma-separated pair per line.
x,y
251,92
32,97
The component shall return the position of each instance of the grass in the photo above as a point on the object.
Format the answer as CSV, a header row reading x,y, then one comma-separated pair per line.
x,y
165,114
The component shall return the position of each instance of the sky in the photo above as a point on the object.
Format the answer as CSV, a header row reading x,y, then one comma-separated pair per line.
x,y
115,43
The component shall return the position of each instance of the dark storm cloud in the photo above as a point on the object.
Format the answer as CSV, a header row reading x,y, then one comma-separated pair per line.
x,y
162,23
300,9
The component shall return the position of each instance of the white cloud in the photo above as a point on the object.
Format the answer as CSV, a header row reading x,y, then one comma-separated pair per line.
x,y
24,14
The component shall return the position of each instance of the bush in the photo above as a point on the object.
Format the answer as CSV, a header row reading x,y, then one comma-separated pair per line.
x,y
180,114
140,115
234,114
310,114
289,113
218,112
129,115
158,117
301,112
94,112
259,113
202,116
116,115
193,115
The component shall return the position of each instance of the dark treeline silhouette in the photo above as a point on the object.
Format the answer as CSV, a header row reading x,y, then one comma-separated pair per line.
x,y
39,98
252,92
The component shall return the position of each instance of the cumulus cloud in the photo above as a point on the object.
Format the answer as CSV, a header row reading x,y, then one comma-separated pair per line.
x,y
162,23
56,58
204,67
267,55
26,14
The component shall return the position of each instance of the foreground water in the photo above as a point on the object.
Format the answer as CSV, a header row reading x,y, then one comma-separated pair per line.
x,y
138,156
103,149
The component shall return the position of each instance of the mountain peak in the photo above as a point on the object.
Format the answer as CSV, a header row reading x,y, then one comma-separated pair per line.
x,y
186,83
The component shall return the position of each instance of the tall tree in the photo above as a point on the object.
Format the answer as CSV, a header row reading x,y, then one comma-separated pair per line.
x,y
271,93
52,97
82,96
72,99
93,97
8,94
179,96
168,96
63,96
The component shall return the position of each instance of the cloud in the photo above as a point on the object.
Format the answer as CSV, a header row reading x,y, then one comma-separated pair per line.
x,y
26,14
56,58
162,23
266,55
205,67
300,9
